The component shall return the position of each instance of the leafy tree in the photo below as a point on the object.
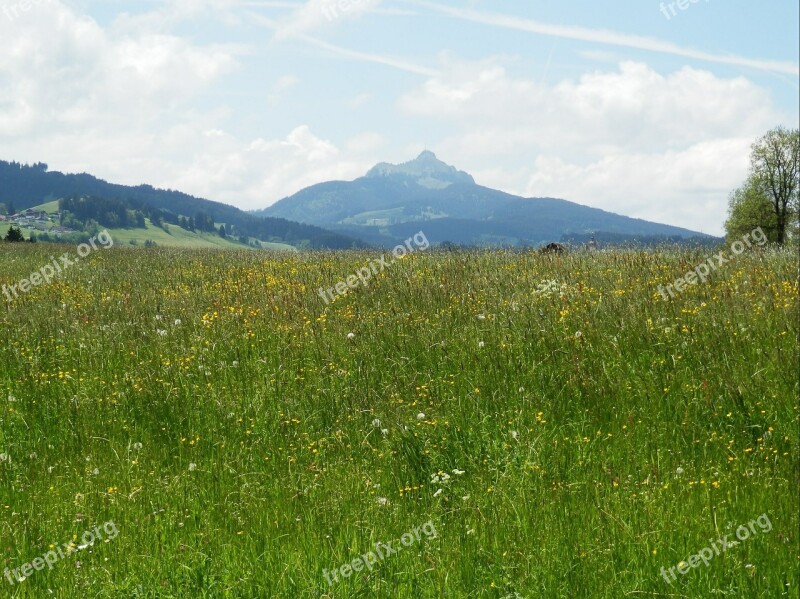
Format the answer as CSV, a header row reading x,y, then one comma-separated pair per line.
x,y
14,234
775,171
750,207
222,231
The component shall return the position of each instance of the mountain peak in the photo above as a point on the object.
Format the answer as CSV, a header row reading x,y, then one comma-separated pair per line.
x,y
426,169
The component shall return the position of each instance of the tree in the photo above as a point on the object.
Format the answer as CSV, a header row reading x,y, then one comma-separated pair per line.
x,y
775,172
749,208
14,234
221,231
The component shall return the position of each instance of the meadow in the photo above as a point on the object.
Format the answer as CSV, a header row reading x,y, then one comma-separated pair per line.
x,y
564,429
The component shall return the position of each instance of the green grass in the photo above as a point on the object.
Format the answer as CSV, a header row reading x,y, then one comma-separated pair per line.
x,y
602,432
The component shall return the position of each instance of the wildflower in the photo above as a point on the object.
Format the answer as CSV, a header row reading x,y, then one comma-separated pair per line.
x,y
376,423
161,332
137,446
384,431
481,317
481,344
514,435
458,472
4,457
679,470
382,501
421,416
578,334
177,322
192,467
439,492
351,336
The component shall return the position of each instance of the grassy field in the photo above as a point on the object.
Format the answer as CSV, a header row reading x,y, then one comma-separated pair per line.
x,y
525,425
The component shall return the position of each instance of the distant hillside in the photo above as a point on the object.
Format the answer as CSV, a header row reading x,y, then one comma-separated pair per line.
x,y
26,186
393,201
43,223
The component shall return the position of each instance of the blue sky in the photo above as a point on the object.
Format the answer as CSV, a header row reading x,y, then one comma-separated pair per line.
x,y
639,107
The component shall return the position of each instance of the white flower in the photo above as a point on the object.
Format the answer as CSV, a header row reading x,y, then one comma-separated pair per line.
x,y
481,317
481,344
421,416
161,332
382,501
235,363
137,446
439,492
679,470
376,423
578,334
351,336
458,472
192,467
158,316
521,389
96,471
384,431
514,435
177,322
4,457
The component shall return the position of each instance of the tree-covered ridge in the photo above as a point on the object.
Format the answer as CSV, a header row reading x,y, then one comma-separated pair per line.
x,y
25,186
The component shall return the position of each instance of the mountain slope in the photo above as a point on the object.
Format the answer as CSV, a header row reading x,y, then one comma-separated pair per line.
x,y
448,205
28,186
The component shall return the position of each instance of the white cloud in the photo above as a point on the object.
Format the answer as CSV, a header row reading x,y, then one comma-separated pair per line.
x,y
687,188
60,70
629,140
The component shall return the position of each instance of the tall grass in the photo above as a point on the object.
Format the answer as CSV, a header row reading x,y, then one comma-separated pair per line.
x,y
215,409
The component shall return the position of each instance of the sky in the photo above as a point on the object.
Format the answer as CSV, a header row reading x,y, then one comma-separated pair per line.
x,y
639,107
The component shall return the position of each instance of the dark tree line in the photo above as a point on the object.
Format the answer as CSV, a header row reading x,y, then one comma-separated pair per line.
x,y
78,211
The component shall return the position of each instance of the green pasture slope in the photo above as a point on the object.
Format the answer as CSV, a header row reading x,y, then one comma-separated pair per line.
x,y
176,237
501,425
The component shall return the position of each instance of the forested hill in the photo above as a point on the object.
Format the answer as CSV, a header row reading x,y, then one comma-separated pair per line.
x,y
25,186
